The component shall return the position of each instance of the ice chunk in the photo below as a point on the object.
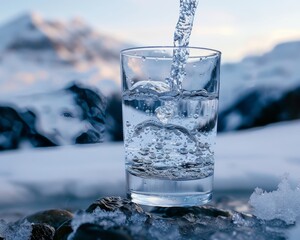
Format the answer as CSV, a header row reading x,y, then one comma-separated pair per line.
x,y
150,86
284,203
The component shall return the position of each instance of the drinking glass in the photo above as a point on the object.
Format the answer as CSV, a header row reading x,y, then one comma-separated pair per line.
x,y
170,123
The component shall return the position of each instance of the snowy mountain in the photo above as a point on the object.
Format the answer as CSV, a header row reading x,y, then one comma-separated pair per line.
x,y
74,115
59,83
38,55
261,89
43,60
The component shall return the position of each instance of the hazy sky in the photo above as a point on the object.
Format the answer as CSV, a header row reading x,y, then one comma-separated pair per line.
x,y
235,27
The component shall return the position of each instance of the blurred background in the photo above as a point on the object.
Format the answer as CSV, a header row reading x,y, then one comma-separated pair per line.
x,y
60,89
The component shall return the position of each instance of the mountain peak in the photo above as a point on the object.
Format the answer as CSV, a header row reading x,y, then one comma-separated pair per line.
x,y
30,17
24,19
287,49
69,41
35,48
20,31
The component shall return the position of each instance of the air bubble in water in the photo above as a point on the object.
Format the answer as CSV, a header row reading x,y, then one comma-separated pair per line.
x,y
158,146
183,151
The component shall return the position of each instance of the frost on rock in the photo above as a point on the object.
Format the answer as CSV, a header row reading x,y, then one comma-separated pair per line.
x,y
103,218
117,218
81,218
136,223
163,229
15,231
3,226
283,204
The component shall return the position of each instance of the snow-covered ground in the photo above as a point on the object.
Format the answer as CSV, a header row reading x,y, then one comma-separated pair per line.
x,y
244,160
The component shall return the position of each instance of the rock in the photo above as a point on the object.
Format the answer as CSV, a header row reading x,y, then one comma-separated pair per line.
x,y
89,231
17,126
63,232
115,203
178,212
117,218
42,231
54,218
93,107
89,136
204,222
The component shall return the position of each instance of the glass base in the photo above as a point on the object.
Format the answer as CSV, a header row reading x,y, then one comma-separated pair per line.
x,y
169,193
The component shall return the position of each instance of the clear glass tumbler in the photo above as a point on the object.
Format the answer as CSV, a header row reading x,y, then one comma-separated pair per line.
x,y
170,124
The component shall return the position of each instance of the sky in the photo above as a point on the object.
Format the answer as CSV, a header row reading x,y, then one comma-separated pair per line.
x,y
236,28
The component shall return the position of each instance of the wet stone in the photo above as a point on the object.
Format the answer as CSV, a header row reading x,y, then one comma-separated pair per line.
x,y
118,218
114,203
42,232
54,217
89,231
63,232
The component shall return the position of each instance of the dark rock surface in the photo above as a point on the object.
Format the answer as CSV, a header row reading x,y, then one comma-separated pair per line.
x,y
54,218
93,106
117,218
89,231
19,126
42,232
115,203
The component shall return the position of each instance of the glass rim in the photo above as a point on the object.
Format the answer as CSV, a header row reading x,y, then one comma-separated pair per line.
x,y
129,52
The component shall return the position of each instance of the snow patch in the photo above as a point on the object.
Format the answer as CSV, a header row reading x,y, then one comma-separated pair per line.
x,y
284,203
15,231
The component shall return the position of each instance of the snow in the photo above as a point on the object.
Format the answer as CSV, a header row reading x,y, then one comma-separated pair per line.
x,y
82,54
277,69
106,219
244,160
284,203
295,232
19,29
80,218
258,157
70,51
136,222
12,231
74,171
50,108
